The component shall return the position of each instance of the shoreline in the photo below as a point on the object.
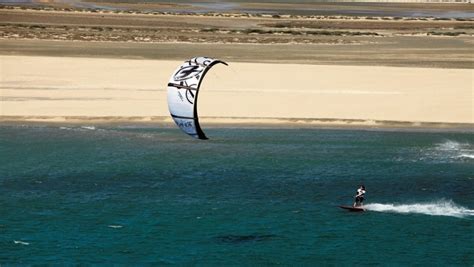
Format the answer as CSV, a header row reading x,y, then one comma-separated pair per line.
x,y
247,122
428,8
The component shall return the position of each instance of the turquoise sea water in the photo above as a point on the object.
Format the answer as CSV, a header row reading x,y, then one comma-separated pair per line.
x,y
136,195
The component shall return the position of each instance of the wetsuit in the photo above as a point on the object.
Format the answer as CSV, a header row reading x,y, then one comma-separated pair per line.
x,y
360,196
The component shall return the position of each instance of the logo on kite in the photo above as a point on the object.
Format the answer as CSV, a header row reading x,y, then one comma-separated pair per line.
x,y
187,72
189,91
190,96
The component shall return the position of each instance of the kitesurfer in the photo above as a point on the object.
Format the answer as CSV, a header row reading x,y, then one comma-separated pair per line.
x,y
359,198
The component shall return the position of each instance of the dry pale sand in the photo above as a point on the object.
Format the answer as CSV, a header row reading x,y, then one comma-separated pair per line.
x,y
57,87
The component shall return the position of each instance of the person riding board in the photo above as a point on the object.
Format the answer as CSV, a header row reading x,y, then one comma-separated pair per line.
x,y
359,198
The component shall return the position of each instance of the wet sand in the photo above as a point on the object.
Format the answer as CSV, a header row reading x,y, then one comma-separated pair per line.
x,y
396,51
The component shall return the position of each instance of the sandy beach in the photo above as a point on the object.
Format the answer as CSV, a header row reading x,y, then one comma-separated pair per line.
x,y
56,88
70,64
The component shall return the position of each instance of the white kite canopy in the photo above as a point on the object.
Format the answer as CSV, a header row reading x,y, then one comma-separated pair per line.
x,y
183,88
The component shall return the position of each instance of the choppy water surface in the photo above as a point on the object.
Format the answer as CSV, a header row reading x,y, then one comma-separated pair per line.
x,y
96,194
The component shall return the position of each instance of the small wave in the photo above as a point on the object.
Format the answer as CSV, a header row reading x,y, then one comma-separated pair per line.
x,y
88,127
451,145
449,150
439,208
115,226
21,242
467,156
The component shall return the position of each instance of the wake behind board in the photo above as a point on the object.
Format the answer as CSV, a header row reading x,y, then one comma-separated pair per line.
x,y
350,208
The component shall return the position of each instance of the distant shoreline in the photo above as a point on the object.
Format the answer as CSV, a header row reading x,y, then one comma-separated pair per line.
x,y
323,40
248,122
401,8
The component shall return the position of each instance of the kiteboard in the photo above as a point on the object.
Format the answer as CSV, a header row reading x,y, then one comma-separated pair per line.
x,y
350,208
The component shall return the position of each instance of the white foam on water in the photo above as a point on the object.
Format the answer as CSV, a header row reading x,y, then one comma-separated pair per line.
x,y
438,208
21,242
450,145
468,156
115,226
88,127
449,150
